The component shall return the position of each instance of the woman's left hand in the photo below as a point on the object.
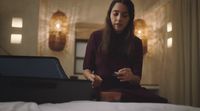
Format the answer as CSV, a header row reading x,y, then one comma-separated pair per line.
x,y
97,81
126,74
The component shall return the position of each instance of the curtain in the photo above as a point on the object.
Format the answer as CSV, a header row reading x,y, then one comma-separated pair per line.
x,y
180,82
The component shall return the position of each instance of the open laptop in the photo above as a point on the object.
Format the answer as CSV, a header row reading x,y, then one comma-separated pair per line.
x,y
39,79
31,66
44,90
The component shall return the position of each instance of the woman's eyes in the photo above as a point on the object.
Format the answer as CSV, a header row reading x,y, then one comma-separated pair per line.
x,y
115,13
123,14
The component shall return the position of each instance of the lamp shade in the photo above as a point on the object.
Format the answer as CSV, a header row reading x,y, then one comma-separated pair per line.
x,y
58,31
140,28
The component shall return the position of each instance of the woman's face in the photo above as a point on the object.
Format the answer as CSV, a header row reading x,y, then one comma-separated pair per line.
x,y
119,17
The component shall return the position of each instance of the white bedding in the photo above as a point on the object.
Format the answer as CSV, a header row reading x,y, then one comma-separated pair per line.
x,y
93,106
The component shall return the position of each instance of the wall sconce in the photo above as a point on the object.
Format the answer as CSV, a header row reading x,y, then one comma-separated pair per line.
x,y
140,31
17,22
16,39
169,42
58,30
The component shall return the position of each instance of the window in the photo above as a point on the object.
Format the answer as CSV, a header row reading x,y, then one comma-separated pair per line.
x,y
80,47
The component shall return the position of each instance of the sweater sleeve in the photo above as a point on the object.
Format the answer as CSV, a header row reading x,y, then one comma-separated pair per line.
x,y
138,59
90,53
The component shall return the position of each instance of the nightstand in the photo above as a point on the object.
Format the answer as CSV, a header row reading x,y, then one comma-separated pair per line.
x,y
152,88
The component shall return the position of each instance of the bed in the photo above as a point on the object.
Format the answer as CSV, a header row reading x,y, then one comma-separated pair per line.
x,y
36,89
92,106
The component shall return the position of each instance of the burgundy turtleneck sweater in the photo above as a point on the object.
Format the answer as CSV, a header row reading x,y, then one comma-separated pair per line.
x,y
105,66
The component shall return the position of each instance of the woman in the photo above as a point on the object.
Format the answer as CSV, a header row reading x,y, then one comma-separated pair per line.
x,y
114,56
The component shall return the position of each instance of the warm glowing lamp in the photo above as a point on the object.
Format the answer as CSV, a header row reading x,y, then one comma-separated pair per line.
x,y
140,31
169,42
16,39
17,22
58,30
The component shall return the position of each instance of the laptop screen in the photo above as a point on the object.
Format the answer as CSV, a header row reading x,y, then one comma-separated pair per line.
x,y
31,66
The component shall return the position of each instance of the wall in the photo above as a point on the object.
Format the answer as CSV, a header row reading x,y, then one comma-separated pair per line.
x,y
28,10
154,64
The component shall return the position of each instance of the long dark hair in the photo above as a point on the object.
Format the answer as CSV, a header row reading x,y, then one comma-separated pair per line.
x,y
108,30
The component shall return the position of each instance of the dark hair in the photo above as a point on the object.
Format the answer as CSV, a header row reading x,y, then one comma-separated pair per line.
x,y
108,30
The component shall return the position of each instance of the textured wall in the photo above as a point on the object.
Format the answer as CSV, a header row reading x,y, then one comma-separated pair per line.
x,y
156,18
28,11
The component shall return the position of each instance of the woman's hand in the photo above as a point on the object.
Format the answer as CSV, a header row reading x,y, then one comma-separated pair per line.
x,y
95,79
126,74
88,75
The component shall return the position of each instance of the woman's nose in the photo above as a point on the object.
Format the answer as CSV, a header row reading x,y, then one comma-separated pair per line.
x,y
119,17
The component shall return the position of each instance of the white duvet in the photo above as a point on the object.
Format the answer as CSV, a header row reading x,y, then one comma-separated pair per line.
x,y
93,106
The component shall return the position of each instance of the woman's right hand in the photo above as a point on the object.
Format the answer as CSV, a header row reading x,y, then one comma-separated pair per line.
x,y
95,79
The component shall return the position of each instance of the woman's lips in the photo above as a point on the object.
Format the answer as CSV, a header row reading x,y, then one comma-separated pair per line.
x,y
118,24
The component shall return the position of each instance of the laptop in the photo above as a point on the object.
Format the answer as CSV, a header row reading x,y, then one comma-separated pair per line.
x,y
44,90
31,66
39,79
